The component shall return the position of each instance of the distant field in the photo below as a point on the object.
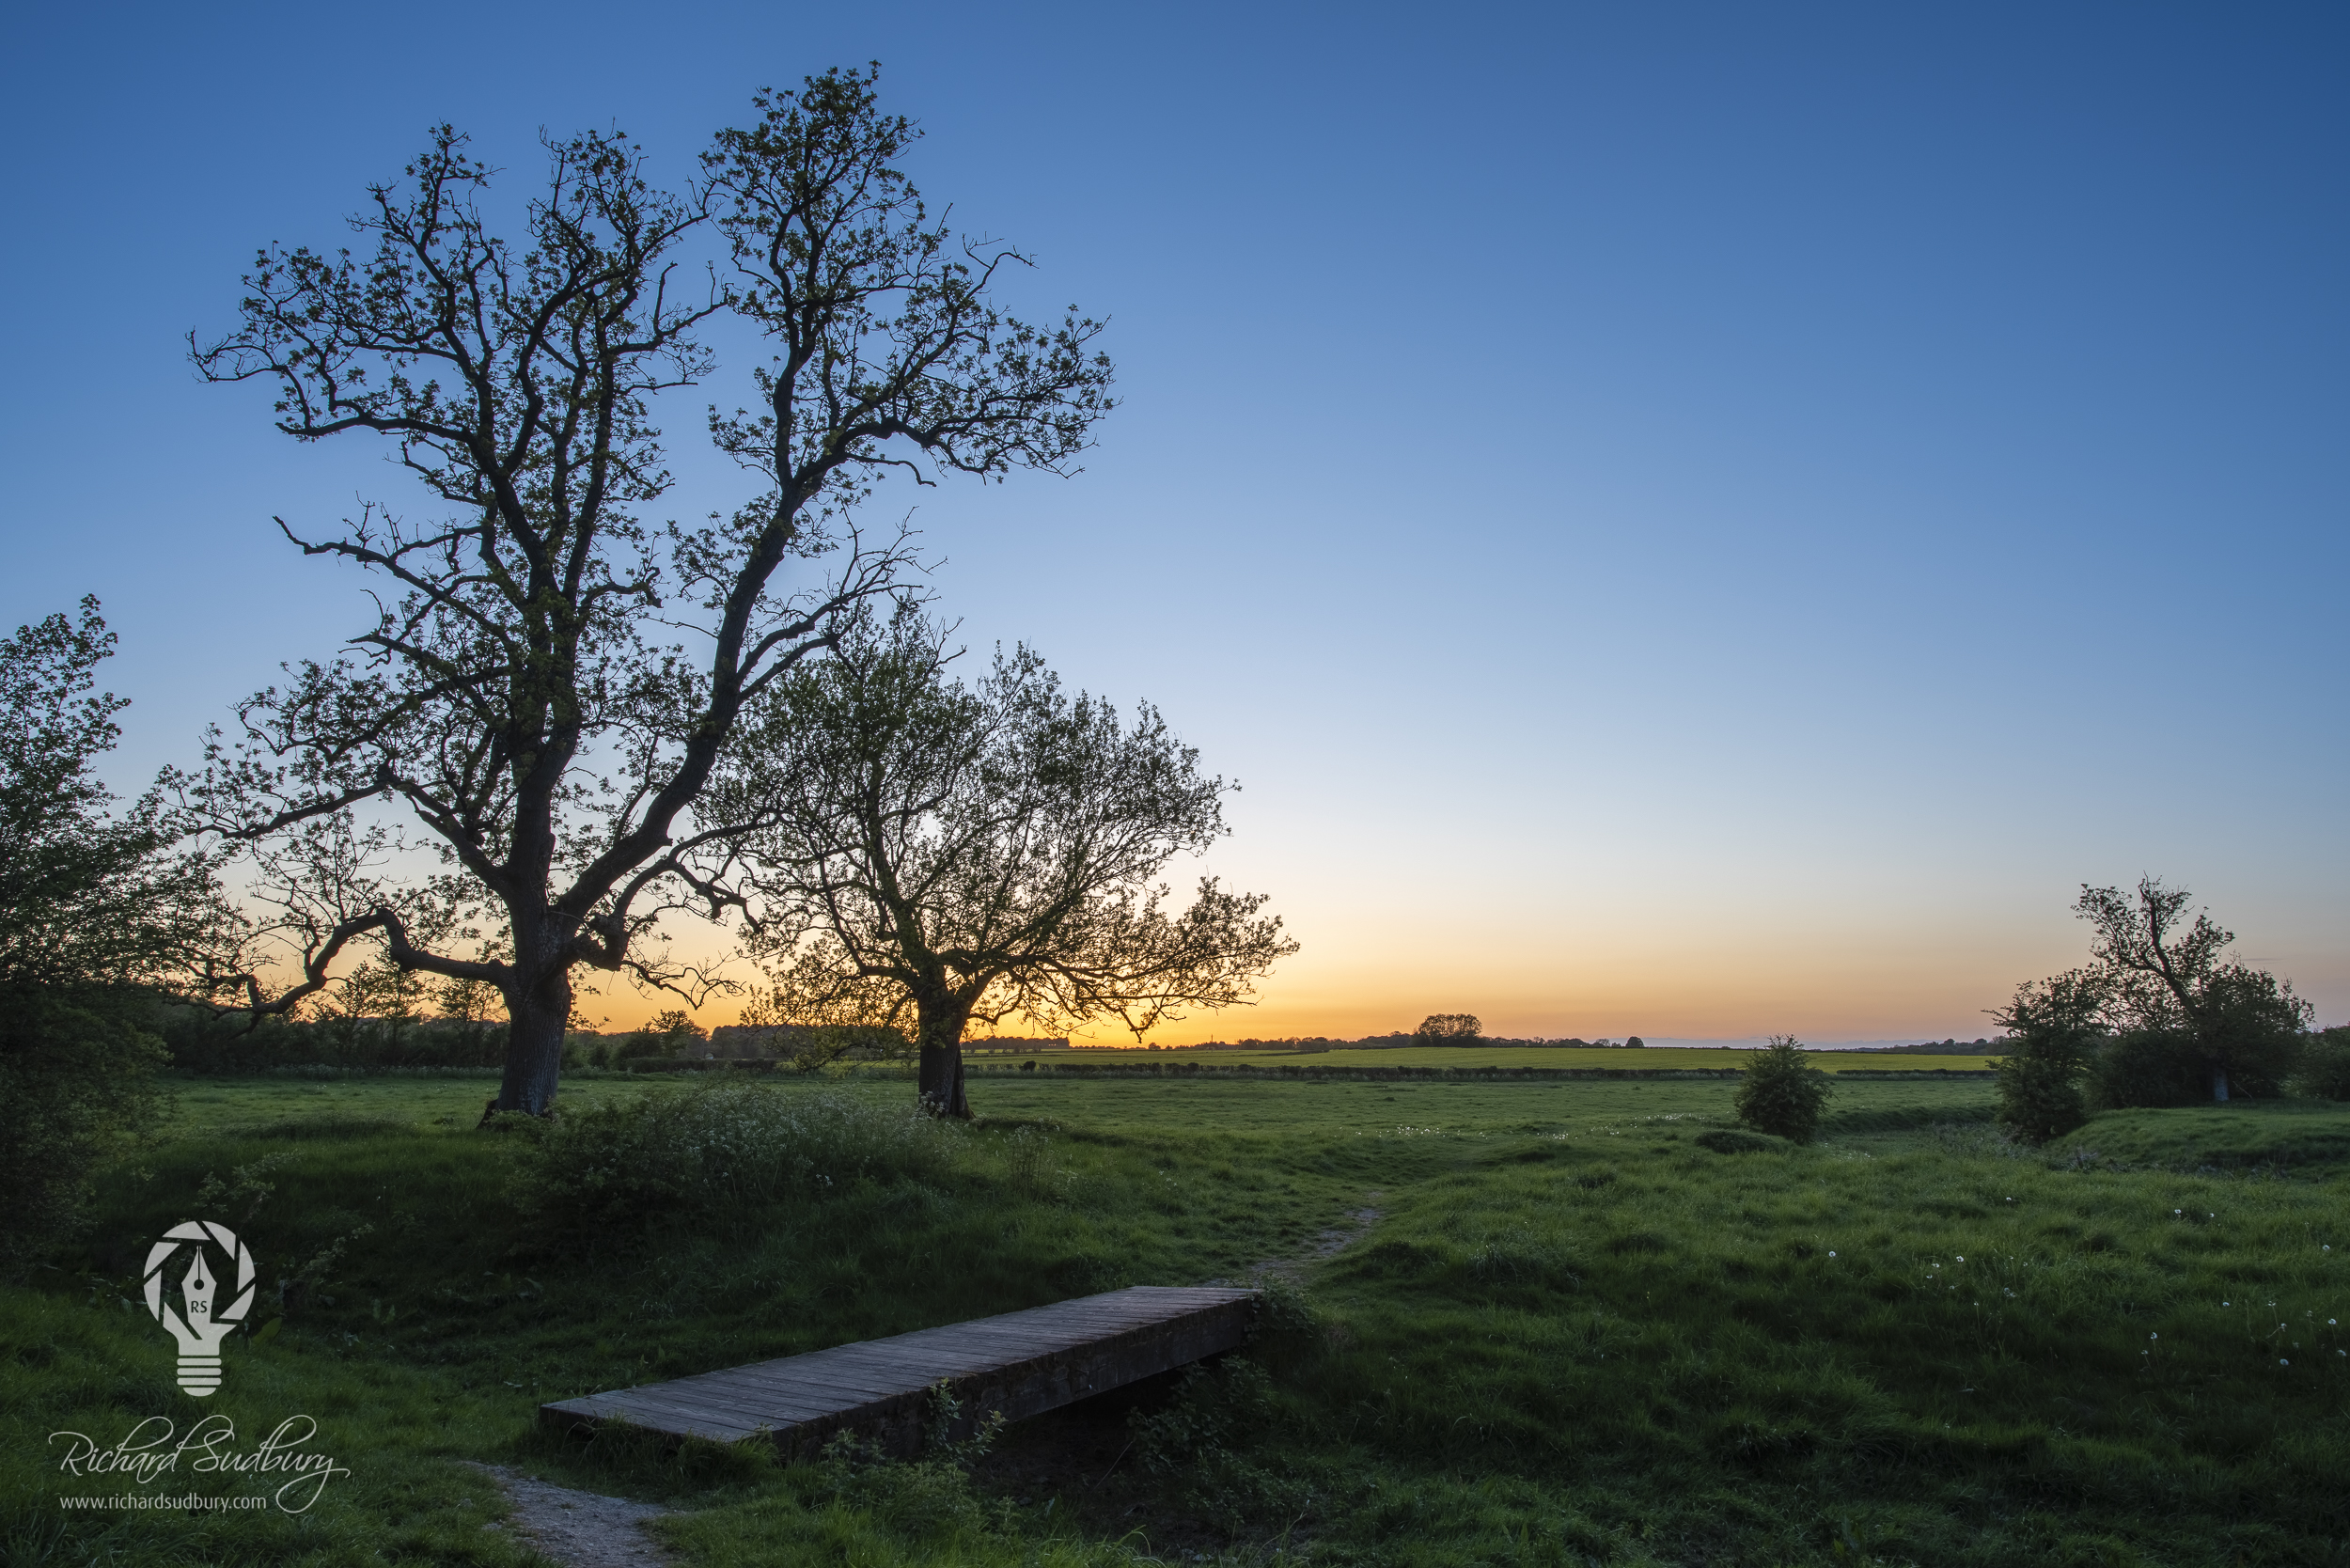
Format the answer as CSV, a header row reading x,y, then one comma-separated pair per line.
x,y
1653,1058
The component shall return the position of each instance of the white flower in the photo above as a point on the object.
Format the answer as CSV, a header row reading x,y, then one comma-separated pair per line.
x,y
1832,1254
2282,1362
1962,1258
2154,1336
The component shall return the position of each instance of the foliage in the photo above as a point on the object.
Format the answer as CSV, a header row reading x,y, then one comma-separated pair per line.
x,y
938,854
2170,996
550,679
1781,1092
665,1038
100,911
2055,1028
720,1154
2325,1069
1449,1028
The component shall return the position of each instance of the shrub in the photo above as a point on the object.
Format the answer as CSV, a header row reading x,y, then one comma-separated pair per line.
x,y
76,1082
2171,1067
1782,1093
2055,1026
2325,1070
720,1152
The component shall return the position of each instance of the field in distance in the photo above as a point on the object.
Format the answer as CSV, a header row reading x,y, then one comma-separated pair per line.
x,y
1647,1059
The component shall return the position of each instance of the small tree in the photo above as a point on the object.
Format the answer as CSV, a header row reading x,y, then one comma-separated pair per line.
x,y
967,854
1782,1092
1451,1029
2173,1003
101,915
2055,1028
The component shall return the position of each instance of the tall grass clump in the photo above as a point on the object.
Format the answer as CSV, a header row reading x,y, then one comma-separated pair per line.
x,y
1782,1093
721,1153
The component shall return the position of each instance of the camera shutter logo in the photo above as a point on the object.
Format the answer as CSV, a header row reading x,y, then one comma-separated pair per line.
x,y
201,1330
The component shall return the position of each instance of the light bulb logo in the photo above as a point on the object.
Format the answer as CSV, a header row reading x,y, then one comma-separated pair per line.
x,y
200,1330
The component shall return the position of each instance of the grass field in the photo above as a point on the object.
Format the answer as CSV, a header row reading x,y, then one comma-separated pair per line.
x,y
1559,1329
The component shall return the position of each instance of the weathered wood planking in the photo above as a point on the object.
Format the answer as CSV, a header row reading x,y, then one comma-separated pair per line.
x,y
1019,1364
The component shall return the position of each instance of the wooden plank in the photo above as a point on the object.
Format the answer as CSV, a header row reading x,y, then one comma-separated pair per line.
x,y
1017,1364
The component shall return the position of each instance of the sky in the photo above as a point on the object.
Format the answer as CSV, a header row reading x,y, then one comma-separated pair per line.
x,y
1690,520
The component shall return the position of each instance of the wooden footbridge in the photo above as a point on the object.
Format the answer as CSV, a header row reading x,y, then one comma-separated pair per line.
x,y
1016,1365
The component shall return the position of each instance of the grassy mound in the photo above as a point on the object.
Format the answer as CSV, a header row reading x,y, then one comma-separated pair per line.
x,y
2311,1136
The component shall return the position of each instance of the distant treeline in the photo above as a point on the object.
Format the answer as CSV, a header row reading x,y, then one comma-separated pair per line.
x,y
1386,1042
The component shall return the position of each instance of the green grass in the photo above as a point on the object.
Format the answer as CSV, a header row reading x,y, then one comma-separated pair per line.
x,y
1573,1335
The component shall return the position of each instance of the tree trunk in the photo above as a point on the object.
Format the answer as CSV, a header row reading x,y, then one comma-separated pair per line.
x,y
2220,1084
538,1014
940,1080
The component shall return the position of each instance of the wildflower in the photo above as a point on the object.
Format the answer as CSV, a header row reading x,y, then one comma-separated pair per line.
x,y
1832,1254
1962,1258
2154,1336
2282,1362
2329,1323
2178,1211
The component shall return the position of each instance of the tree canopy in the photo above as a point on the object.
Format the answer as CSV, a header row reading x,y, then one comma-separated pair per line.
x,y
553,674
964,854
2164,978
102,911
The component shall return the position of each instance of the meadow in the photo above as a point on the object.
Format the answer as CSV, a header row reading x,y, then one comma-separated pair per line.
x,y
1508,1323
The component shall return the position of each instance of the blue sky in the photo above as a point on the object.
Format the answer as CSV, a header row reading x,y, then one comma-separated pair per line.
x,y
1688,520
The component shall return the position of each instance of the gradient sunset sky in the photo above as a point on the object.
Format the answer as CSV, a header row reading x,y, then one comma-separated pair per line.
x,y
1686,520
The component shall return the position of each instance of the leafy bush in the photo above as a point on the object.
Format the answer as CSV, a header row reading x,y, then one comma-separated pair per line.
x,y
1449,1028
76,1082
2055,1026
1782,1093
720,1152
2325,1070
2146,1068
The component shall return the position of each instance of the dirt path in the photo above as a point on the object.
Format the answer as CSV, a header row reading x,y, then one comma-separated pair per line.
x,y
1351,1227
580,1529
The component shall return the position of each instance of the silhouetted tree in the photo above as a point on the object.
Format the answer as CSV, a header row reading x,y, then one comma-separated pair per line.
x,y
1449,1028
516,695
964,854
2174,1003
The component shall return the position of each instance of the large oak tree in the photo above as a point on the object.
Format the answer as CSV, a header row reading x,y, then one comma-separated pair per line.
x,y
551,677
